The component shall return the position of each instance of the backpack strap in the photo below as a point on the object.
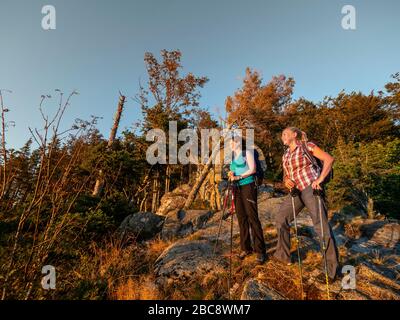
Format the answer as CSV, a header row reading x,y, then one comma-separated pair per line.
x,y
255,160
316,164
309,156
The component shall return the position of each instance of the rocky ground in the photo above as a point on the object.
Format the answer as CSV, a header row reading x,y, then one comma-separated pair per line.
x,y
197,267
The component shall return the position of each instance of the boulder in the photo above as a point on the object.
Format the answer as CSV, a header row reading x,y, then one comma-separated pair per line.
x,y
173,200
170,202
210,231
369,227
172,225
196,218
255,290
180,223
388,236
378,236
184,260
266,191
141,225
268,208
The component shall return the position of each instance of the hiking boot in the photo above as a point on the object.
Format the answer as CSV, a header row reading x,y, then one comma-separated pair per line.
x,y
244,254
261,258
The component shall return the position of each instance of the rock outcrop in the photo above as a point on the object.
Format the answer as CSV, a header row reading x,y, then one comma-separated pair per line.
x,y
268,207
371,246
181,223
141,225
173,200
256,290
184,260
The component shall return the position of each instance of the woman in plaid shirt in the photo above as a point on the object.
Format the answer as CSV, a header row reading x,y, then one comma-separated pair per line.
x,y
301,173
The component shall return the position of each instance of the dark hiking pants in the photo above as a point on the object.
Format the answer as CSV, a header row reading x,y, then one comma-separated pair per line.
x,y
247,214
285,217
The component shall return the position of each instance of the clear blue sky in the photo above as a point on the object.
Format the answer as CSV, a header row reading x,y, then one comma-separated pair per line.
x,y
98,49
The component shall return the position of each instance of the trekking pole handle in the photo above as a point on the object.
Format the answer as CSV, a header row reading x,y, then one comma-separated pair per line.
x,y
294,192
318,192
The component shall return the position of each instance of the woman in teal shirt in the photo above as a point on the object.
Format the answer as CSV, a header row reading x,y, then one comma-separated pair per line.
x,y
242,171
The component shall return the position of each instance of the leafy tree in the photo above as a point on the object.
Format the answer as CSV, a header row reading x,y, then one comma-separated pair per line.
x,y
262,107
367,175
356,117
393,99
169,96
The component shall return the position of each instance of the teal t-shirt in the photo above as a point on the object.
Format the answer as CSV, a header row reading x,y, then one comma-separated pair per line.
x,y
239,166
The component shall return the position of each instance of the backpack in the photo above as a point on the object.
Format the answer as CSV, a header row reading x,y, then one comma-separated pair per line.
x,y
259,175
317,163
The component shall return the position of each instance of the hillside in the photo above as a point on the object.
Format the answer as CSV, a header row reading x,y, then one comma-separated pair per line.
x,y
188,268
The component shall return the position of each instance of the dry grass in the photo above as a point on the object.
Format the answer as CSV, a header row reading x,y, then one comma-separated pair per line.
x,y
352,230
377,257
141,288
210,286
286,281
155,248
127,269
313,259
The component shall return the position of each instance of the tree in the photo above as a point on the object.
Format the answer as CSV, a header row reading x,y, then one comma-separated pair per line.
x,y
356,117
367,175
5,163
393,100
262,107
169,96
100,180
312,119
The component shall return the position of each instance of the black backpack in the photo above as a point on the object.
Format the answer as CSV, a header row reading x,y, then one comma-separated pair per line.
x,y
317,163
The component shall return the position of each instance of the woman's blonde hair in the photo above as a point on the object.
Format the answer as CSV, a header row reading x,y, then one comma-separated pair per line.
x,y
301,135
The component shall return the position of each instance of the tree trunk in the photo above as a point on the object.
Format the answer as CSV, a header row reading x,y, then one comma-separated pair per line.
x,y
3,146
155,192
202,176
370,208
216,193
98,187
100,180
167,178
143,202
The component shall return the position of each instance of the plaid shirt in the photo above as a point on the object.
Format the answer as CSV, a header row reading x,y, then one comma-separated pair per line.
x,y
298,168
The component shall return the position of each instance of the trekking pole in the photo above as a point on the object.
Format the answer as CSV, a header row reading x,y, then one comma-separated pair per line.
x,y
232,211
294,193
224,207
318,193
